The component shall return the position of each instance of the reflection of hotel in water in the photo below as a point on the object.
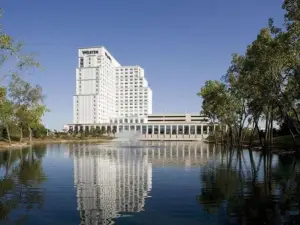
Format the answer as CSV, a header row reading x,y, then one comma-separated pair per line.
x,y
112,180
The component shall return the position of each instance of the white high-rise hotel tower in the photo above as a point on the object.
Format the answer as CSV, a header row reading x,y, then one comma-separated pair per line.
x,y
108,92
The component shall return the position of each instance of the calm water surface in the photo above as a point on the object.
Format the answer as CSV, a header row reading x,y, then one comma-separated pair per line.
x,y
151,183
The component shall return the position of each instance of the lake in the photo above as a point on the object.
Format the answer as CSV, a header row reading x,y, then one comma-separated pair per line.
x,y
148,183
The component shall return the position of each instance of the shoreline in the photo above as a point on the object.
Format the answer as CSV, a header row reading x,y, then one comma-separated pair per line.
x,y
4,145
15,145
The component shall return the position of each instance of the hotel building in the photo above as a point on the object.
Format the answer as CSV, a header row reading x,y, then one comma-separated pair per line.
x,y
133,96
106,91
118,98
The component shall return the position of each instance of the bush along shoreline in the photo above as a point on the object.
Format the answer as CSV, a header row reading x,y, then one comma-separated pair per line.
x,y
44,136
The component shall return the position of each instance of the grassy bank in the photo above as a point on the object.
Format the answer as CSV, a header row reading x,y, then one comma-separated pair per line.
x,y
48,140
285,142
281,143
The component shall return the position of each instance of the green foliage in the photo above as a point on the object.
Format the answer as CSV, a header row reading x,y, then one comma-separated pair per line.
x,y
21,104
261,85
76,130
217,103
39,131
4,134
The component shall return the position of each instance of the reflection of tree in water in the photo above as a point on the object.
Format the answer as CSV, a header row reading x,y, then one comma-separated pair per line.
x,y
23,173
255,193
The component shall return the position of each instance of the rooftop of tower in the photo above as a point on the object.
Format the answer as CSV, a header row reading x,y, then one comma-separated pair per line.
x,y
92,47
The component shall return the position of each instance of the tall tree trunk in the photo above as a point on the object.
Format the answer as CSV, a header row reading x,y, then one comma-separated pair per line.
x,y
240,135
259,134
231,137
266,141
252,134
271,130
291,132
294,111
286,116
21,135
8,133
30,134
222,138
215,135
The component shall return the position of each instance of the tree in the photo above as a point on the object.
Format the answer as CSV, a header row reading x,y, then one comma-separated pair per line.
x,y
33,118
6,112
76,130
6,116
39,131
28,101
12,50
261,85
22,97
218,104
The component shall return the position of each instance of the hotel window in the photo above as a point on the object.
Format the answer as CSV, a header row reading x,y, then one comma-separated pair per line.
x,y
174,130
180,129
155,129
192,130
150,131
162,129
204,129
168,129
81,62
186,130
144,129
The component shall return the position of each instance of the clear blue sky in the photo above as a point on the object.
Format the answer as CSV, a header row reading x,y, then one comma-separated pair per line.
x,y
179,43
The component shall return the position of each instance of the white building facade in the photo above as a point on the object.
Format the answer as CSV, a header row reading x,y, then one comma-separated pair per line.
x,y
106,91
118,99
133,95
159,127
